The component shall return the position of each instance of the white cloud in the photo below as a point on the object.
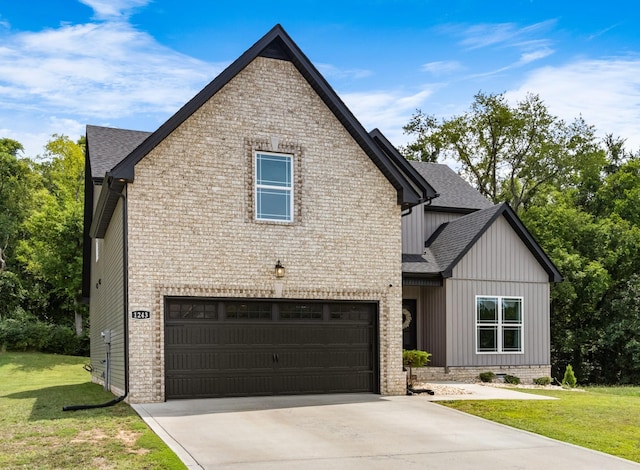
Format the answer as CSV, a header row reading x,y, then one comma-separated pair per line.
x,y
442,67
387,110
33,141
532,56
606,92
328,70
97,71
509,34
113,9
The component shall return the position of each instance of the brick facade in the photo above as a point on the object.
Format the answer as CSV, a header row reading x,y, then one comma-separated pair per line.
x,y
192,232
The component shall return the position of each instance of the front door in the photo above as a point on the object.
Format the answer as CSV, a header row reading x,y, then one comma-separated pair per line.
x,y
409,321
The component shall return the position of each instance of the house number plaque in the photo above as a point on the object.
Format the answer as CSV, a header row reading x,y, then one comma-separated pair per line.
x,y
141,314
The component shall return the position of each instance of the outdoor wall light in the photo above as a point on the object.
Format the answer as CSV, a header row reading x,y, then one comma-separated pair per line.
x,y
279,269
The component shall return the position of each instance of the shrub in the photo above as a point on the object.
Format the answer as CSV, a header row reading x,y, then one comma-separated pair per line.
x,y
487,376
542,381
64,340
25,333
415,358
511,379
569,379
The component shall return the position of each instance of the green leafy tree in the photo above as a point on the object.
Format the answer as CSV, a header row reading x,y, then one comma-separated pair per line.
x,y
619,343
52,250
17,183
580,198
509,153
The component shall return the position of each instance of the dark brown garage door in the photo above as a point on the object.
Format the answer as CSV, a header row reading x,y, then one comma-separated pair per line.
x,y
222,348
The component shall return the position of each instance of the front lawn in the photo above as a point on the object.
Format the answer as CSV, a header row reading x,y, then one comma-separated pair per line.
x,y
36,433
601,418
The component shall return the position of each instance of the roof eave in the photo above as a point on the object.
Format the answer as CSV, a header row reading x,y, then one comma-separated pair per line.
x,y
277,44
532,244
106,205
419,183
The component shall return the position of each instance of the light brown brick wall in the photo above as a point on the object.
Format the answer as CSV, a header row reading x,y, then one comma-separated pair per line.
x,y
191,228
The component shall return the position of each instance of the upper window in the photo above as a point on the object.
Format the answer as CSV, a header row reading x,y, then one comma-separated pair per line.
x,y
274,187
499,324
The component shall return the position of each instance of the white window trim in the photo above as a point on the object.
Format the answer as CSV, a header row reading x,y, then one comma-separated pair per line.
x,y
279,188
500,324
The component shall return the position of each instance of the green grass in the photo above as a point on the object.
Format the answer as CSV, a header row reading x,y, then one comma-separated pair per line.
x,y
36,433
606,419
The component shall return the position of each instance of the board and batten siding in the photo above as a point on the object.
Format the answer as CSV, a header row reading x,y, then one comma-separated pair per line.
x,y
499,264
431,318
433,220
107,303
413,230
419,225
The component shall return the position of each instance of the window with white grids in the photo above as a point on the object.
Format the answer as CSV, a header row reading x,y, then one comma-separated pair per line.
x,y
499,324
273,188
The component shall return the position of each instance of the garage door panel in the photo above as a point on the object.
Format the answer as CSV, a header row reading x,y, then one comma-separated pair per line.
x,y
266,348
197,333
218,386
309,382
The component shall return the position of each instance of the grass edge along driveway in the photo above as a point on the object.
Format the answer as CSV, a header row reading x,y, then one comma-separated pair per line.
x,y
606,419
36,433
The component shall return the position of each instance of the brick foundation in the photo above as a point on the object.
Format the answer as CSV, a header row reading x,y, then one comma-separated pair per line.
x,y
470,374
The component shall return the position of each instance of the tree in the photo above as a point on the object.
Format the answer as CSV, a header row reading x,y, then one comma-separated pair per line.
x,y
51,251
598,254
579,197
17,183
507,153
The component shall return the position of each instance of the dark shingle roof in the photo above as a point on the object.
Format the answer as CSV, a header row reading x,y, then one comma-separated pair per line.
x,y
420,264
455,193
449,244
107,147
452,240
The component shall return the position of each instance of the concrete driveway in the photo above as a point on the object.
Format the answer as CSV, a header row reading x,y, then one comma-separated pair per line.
x,y
352,431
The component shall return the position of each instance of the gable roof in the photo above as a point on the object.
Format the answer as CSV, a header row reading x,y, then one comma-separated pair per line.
x,y
456,195
276,44
106,147
452,240
403,165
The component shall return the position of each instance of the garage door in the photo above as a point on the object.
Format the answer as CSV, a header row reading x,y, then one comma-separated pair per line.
x,y
223,348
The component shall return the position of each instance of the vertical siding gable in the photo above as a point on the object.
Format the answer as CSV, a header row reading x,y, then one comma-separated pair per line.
x,y
413,231
500,254
434,219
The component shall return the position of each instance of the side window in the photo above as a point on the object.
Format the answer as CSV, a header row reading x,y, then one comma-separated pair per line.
x,y
273,191
499,324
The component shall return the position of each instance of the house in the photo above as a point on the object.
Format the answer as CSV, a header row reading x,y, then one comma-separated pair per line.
x,y
475,285
249,246
262,242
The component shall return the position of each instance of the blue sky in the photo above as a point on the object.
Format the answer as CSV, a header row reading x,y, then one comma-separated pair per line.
x,y
133,63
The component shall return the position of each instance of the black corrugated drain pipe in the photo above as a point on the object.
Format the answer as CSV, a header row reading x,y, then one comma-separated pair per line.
x,y
125,286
